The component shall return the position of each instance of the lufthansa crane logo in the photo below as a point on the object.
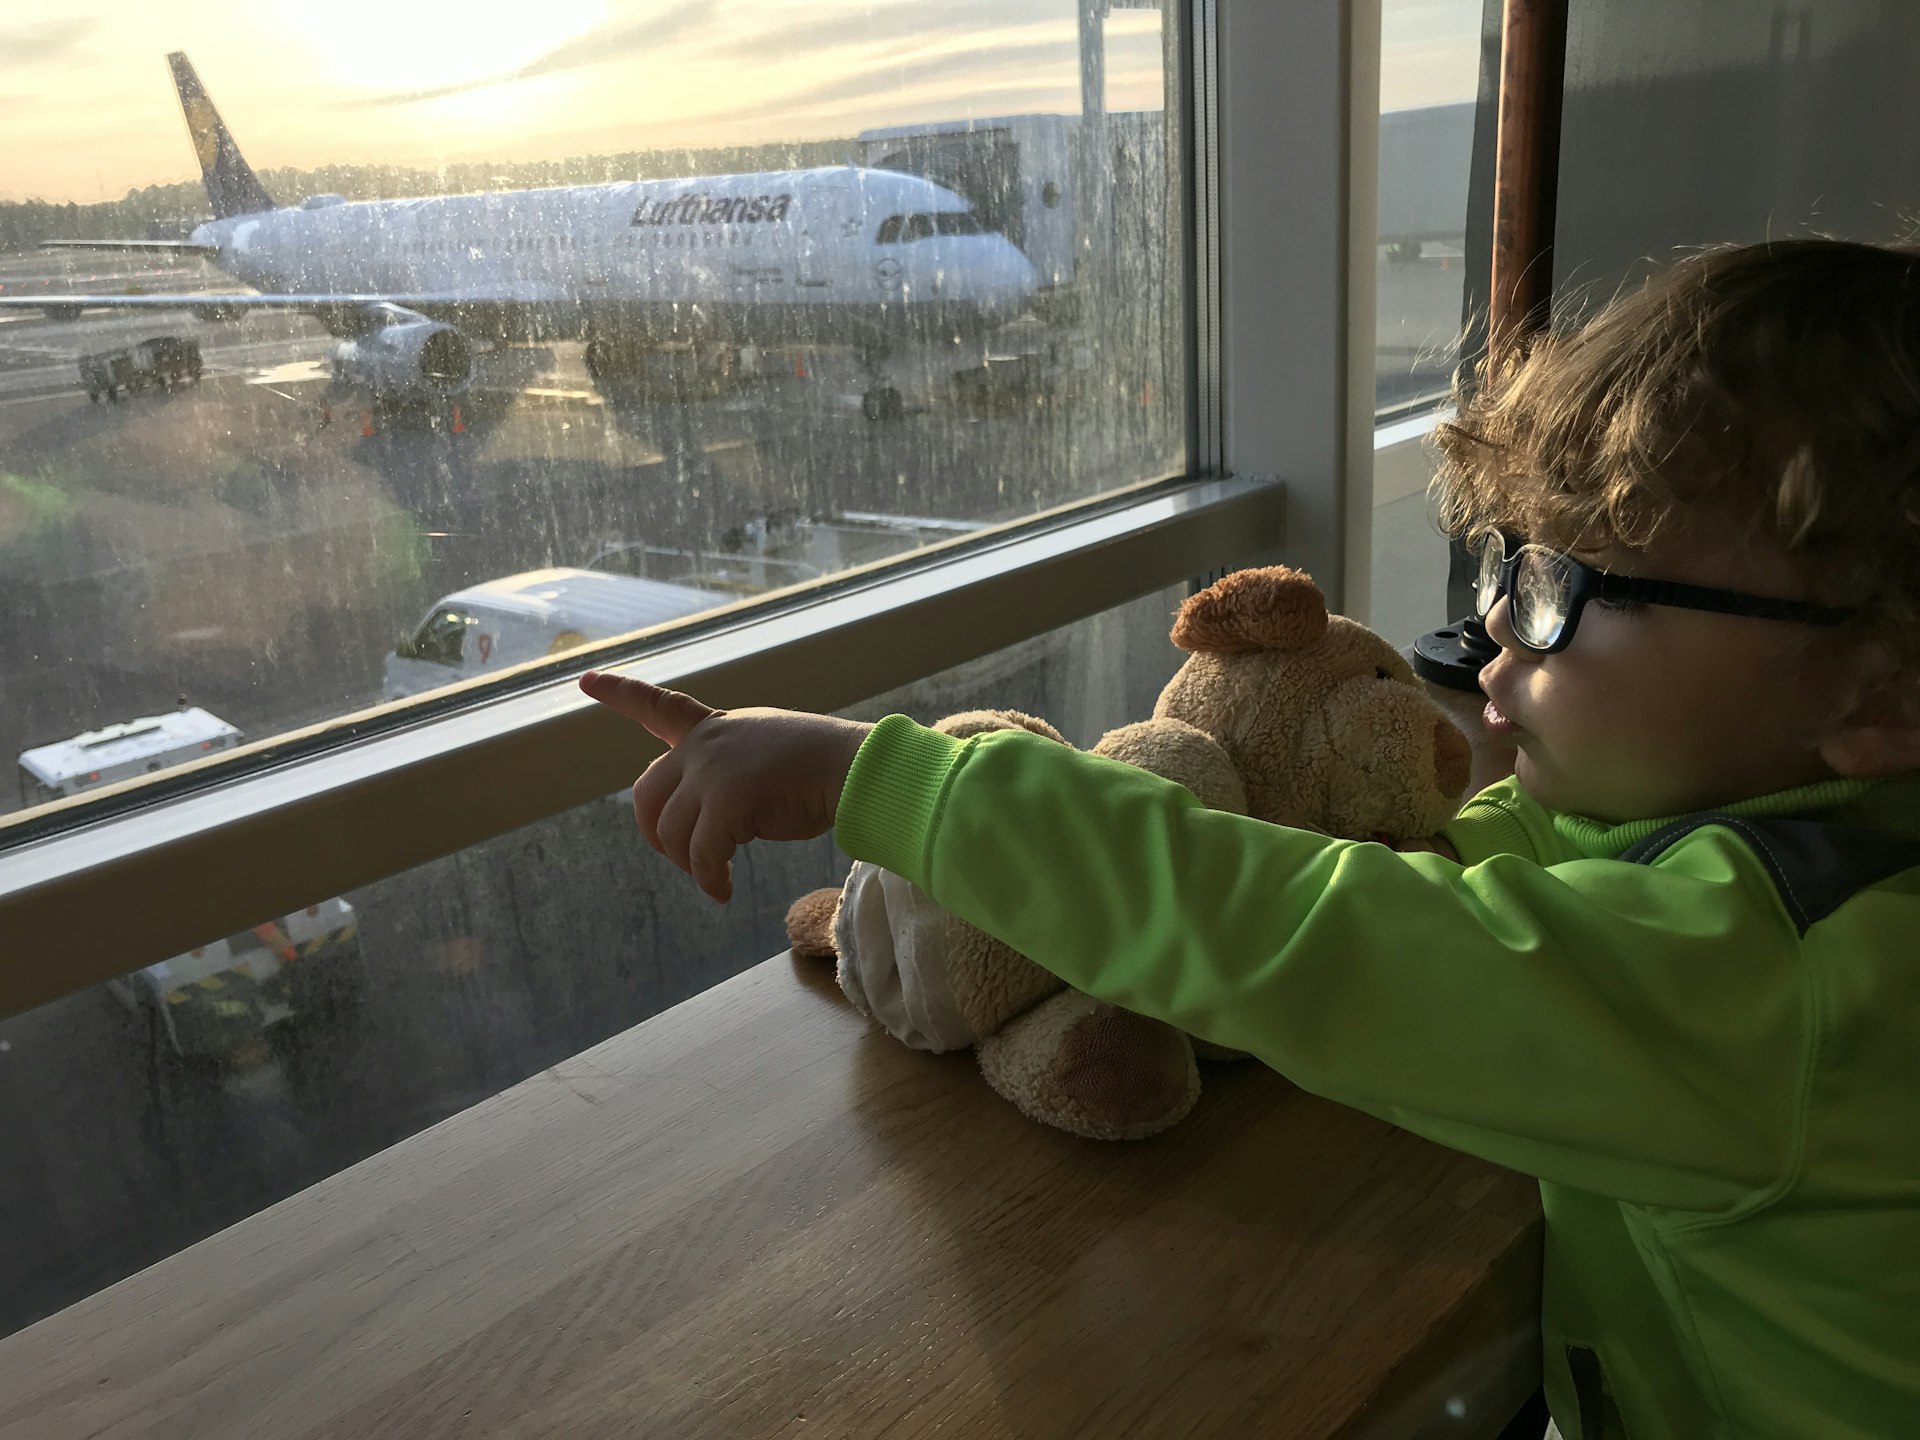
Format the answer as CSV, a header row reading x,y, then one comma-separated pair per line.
x,y
887,273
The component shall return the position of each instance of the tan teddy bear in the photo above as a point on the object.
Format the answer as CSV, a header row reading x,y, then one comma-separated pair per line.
x,y
1281,712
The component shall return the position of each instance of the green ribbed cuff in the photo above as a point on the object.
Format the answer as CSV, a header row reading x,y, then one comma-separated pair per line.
x,y
892,795
1486,828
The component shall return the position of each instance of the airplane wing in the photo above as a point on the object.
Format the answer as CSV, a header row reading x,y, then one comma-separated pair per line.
x,y
232,300
145,247
224,305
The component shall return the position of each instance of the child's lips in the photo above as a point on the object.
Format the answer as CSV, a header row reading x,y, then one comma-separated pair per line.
x,y
1496,722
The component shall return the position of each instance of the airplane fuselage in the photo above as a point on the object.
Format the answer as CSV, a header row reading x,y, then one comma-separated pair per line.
x,y
842,255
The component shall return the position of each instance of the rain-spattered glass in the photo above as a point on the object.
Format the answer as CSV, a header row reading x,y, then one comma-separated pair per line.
x,y
426,349
1429,83
140,1115
1430,54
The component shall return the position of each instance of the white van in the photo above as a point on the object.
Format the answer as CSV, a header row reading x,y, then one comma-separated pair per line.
x,y
525,617
630,586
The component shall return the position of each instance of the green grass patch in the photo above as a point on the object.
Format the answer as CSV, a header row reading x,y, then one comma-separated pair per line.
x,y
47,500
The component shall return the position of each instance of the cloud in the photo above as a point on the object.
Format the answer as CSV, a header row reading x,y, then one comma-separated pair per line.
x,y
47,40
596,47
920,20
1005,68
1029,66
699,27
1059,58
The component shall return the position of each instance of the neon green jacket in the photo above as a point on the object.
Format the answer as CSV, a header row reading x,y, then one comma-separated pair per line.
x,y
1702,1037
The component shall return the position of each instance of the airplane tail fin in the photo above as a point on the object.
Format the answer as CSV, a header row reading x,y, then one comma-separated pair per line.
x,y
231,184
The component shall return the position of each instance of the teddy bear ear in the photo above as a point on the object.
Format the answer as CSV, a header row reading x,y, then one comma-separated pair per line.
x,y
1276,608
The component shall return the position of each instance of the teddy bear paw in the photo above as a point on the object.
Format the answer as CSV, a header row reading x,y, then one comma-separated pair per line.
x,y
1093,1069
810,924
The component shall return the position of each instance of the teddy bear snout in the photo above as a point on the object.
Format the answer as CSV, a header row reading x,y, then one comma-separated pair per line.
x,y
1396,765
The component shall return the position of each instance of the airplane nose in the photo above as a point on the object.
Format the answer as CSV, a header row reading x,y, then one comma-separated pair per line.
x,y
1013,277
998,281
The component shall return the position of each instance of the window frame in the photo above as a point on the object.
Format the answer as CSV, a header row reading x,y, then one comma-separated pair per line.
x,y
1280,362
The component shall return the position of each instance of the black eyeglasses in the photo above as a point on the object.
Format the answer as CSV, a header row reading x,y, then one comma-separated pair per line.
x,y
1547,589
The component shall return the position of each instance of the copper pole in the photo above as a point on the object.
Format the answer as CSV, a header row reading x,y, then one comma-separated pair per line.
x,y
1526,175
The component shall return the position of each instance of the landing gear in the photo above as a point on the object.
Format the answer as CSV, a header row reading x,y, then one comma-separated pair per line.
x,y
611,360
677,371
883,402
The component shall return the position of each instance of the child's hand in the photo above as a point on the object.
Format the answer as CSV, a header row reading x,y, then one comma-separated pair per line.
x,y
729,776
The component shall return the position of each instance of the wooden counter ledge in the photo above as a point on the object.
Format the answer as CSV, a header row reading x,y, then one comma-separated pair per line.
x,y
753,1215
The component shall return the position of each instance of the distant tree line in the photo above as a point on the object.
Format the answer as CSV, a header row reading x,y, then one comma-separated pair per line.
x,y
169,212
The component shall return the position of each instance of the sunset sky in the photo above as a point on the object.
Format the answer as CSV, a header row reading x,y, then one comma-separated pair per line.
x,y
87,107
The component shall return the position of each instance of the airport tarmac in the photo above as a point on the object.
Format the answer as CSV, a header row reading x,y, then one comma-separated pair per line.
x,y
259,542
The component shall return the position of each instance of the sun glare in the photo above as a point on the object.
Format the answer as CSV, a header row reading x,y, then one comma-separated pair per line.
x,y
382,47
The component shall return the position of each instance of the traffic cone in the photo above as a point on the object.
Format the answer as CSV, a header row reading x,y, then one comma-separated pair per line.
x,y
458,427
1146,394
366,422
799,368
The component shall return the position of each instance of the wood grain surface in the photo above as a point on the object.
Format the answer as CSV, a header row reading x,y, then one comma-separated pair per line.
x,y
755,1216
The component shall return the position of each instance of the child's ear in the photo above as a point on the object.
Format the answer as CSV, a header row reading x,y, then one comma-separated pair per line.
x,y
1867,752
1881,737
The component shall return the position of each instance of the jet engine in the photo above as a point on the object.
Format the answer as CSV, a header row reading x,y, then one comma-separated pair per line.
x,y
417,359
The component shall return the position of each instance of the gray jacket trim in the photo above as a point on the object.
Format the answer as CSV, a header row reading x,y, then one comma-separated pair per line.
x,y
1816,867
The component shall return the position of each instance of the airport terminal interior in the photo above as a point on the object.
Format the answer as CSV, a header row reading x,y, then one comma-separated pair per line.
x,y
364,368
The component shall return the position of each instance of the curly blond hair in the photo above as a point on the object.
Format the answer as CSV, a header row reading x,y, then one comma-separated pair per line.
x,y
1773,386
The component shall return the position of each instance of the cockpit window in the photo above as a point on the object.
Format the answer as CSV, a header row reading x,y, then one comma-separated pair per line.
x,y
442,640
900,229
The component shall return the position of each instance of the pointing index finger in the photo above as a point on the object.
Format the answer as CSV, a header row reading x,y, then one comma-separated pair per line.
x,y
667,714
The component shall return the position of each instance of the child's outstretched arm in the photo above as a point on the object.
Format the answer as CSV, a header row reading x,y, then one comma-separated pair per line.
x,y
729,776
1637,1031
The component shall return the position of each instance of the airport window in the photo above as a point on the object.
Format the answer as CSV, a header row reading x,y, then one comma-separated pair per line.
x,y
1429,77
180,1098
260,539
361,468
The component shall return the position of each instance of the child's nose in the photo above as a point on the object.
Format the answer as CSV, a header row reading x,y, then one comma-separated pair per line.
x,y
1500,626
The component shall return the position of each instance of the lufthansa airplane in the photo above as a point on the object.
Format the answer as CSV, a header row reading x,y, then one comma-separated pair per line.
x,y
872,259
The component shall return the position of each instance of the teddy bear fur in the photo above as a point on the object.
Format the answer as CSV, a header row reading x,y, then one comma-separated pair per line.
x,y
1281,712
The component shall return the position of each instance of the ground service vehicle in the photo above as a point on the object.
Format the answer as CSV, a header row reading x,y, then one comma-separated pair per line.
x,y
158,360
630,585
221,1002
509,621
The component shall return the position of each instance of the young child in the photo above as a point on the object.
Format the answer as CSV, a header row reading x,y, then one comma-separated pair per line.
x,y
1671,966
